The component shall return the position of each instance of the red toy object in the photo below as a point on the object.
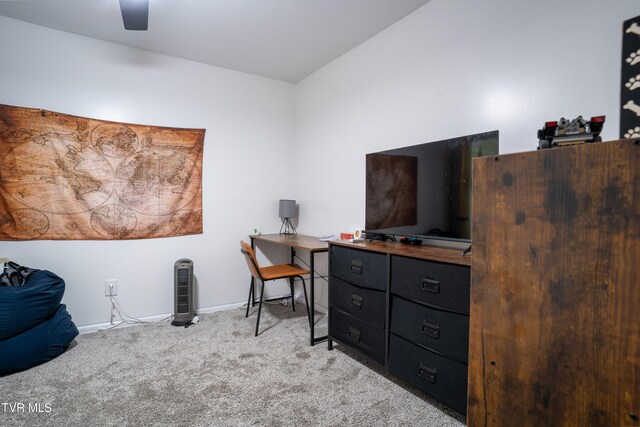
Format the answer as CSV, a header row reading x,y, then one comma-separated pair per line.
x,y
569,132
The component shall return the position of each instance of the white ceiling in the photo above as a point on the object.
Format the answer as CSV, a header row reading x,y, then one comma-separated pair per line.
x,y
281,39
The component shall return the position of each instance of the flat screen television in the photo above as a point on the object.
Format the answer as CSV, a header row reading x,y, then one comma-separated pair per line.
x,y
424,190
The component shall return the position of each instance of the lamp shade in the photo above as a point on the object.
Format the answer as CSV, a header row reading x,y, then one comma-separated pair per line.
x,y
287,209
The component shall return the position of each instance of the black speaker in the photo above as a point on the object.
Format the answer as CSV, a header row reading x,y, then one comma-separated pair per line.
x,y
183,292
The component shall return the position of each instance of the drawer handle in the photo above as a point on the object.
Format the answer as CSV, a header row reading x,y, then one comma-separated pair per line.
x,y
356,266
428,374
354,333
431,284
356,301
431,330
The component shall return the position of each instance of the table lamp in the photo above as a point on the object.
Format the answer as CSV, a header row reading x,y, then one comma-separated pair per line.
x,y
286,212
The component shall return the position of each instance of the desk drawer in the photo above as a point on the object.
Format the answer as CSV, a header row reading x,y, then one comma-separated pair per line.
x,y
441,285
361,268
364,303
358,334
442,378
442,331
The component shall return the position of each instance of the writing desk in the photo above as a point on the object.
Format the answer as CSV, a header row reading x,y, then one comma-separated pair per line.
x,y
307,243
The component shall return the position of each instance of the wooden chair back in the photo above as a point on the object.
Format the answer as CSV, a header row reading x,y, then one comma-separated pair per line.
x,y
250,258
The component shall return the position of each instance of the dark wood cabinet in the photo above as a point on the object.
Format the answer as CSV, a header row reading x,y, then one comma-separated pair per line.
x,y
407,308
555,291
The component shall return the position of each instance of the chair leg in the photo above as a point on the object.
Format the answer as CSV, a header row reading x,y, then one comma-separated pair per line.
x,y
260,308
306,300
293,299
249,300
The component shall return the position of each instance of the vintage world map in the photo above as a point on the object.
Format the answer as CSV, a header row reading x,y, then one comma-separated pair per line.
x,y
68,177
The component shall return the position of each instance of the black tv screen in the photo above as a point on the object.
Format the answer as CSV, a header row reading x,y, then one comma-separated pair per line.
x,y
424,190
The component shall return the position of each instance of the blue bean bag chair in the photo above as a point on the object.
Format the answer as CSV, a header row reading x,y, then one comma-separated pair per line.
x,y
39,344
24,307
34,326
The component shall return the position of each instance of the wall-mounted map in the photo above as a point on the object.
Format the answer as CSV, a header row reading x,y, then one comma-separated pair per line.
x,y
64,177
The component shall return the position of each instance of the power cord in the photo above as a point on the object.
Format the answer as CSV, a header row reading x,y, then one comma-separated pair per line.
x,y
125,318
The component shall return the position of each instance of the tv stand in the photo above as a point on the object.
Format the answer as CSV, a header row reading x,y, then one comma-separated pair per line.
x,y
405,307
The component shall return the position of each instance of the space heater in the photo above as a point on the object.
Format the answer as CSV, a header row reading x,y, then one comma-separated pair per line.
x,y
183,292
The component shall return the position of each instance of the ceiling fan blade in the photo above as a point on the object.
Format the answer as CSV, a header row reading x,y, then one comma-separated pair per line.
x,y
135,14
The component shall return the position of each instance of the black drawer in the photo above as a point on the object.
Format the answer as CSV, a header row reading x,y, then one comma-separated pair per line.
x,y
441,285
359,267
364,303
442,331
443,378
351,331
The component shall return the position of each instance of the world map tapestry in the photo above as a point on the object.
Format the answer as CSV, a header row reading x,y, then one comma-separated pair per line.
x,y
64,177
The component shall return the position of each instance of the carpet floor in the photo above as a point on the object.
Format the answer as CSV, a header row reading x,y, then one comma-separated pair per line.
x,y
214,373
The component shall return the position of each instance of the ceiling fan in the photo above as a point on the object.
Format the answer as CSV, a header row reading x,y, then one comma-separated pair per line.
x,y
135,14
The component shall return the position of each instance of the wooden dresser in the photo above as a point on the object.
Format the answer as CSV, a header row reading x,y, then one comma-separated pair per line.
x,y
406,308
555,289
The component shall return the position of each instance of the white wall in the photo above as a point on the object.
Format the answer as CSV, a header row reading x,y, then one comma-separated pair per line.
x,y
452,68
247,157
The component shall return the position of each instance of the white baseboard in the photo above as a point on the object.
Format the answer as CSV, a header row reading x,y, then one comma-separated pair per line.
x,y
204,310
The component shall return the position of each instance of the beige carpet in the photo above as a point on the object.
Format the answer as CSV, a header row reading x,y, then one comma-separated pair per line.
x,y
215,373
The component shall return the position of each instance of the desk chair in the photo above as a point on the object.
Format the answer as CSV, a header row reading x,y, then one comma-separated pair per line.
x,y
273,272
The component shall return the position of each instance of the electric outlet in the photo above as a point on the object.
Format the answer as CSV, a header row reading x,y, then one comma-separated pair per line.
x,y
111,288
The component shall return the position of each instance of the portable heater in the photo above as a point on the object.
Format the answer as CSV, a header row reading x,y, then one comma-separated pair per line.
x,y
183,292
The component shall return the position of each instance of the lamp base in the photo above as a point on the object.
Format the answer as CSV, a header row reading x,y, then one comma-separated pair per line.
x,y
288,227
